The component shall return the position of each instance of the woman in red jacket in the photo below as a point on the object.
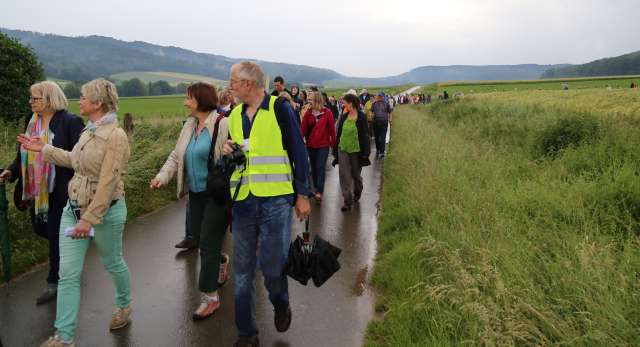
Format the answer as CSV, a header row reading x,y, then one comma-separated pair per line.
x,y
319,131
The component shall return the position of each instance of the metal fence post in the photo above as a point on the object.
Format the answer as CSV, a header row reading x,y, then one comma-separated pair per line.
x,y
5,244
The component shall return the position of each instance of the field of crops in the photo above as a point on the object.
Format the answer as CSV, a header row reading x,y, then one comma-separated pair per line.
x,y
512,219
167,106
622,82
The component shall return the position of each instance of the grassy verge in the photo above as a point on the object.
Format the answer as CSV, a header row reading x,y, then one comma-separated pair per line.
x,y
151,144
509,223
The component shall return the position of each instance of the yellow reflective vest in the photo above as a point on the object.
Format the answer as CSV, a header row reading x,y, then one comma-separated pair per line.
x,y
267,171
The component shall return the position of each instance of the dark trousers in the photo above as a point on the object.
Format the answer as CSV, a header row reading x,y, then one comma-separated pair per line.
x,y
50,230
208,225
318,158
188,234
380,130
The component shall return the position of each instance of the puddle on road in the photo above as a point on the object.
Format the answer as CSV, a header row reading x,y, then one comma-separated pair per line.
x,y
361,282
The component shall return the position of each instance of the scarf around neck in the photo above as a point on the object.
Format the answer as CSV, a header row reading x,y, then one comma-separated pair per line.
x,y
108,118
38,176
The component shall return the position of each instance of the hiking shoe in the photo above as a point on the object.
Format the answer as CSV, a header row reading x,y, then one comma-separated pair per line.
x,y
244,341
120,318
223,272
49,294
187,244
208,306
357,196
55,341
282,319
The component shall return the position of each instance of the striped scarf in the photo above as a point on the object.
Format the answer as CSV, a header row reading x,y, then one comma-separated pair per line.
x,y
38,177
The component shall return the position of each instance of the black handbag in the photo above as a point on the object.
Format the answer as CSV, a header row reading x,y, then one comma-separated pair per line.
x,y
217,177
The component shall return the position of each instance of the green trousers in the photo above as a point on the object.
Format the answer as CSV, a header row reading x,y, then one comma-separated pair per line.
x,y
208,225
108,240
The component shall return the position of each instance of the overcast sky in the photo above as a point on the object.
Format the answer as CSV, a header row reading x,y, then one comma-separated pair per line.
x,y
371,38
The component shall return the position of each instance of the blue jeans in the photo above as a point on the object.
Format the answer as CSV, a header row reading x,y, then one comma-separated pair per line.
x,y
264,224
318,158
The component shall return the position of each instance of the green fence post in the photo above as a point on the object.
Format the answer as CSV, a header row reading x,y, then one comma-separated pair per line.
x,y
5,245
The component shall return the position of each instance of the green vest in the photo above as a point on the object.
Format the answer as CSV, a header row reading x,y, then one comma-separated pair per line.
x,y
268,170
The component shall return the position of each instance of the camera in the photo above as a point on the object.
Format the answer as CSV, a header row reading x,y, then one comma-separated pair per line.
x,y
235,158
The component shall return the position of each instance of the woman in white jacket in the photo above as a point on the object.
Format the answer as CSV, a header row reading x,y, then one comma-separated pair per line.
x,y
207,217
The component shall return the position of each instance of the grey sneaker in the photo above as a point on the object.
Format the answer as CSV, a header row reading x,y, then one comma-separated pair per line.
x,y
49,294
55,341
120,318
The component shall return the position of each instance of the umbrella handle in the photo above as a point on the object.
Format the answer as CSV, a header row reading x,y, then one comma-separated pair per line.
x,y
306,237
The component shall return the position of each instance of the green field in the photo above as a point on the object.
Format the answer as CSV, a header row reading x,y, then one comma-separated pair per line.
x,y
511,219
614,82
174,78
166,106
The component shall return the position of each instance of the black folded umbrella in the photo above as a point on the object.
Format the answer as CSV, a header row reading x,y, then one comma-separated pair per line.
x,y
317,260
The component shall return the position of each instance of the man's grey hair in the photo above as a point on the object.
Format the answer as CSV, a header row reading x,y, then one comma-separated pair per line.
x,y
250,71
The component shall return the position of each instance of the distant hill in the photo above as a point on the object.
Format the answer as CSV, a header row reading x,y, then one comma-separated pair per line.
x,y
431,74
84,58
628,64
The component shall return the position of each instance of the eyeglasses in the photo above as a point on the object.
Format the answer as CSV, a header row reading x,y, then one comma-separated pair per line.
x,y
32,99
232,81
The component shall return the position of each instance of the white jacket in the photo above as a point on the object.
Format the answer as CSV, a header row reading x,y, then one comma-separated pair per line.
x,y
175,161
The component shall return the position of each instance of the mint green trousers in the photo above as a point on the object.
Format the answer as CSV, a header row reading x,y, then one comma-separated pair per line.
x,y
108,240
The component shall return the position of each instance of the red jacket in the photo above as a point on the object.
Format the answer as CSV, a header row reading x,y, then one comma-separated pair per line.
x,y
319,132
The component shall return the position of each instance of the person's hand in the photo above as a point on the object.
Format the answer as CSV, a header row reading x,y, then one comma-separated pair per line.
x,y
81,230
33,143
5,175
302,207
155,183
226,149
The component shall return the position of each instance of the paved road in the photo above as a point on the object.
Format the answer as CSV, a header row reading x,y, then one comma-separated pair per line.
x,y
164,286
411,90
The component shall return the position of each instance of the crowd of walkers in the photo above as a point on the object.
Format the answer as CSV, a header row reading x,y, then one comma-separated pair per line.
x,y
269,150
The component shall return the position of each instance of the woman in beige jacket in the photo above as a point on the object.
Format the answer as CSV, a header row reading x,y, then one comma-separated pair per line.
x,y
207,217
96,210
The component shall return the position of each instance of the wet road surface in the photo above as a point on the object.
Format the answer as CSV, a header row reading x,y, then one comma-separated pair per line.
x,y
164,287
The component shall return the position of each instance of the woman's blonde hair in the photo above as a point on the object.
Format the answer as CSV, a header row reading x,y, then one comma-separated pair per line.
x,y
317,101
101,90
52,95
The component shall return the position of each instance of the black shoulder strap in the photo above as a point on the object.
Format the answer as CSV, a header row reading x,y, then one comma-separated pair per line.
x,y
214,139
278,105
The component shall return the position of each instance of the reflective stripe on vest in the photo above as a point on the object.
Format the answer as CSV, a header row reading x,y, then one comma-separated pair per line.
x,y
268,170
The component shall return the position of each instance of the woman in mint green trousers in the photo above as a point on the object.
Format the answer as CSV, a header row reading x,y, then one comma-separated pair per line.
x,y
96,210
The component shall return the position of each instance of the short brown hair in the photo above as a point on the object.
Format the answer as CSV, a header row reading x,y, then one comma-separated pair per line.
x,y
205,94
352,99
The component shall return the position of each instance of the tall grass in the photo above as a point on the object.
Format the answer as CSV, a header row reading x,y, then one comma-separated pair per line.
x,y
150,146
487,238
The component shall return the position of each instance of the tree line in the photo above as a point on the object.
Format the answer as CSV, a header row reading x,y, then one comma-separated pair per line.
x,y
132,87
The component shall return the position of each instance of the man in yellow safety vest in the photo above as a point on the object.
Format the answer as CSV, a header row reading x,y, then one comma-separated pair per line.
x,y
274,178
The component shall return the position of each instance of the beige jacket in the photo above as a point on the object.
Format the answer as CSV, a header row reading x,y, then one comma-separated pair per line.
x,y
99,160
175,162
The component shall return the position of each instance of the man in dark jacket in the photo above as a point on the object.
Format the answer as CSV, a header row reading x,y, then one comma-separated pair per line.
x,y
381,119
